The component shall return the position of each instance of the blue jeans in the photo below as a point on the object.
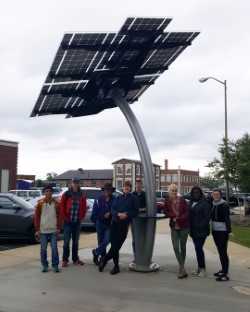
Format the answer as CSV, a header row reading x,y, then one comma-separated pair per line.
x,y
71,230
45,238
103,237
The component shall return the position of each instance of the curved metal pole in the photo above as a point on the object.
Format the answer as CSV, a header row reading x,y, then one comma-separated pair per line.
x,y
144,228
135,127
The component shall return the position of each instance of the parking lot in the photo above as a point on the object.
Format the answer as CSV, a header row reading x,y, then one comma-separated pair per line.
x,y
85,289
14,244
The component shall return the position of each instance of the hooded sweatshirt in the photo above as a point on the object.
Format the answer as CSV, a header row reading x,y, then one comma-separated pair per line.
x,y
221,217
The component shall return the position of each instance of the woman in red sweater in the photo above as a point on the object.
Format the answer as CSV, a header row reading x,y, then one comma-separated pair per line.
x,y
176,209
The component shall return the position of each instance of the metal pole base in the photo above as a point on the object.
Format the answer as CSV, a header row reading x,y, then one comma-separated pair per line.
x,y
143,228
153,267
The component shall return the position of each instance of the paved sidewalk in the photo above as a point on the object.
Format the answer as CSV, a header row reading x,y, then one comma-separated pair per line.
x,y
24,289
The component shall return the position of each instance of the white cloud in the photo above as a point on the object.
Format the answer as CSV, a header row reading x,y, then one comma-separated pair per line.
x,y
183,120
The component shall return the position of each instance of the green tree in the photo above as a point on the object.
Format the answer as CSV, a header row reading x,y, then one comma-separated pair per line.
x,y
51,176
39,183
225,166
235,164
243,163
210,182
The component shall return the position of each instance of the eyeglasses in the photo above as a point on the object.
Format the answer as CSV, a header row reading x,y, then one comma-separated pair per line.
x,y
174,191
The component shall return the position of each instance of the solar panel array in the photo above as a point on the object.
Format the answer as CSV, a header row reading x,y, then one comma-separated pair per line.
x,y
88,66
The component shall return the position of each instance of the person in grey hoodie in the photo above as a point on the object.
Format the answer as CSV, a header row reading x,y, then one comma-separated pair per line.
x,y
221,228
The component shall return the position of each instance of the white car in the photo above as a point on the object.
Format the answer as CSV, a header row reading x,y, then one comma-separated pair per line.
x,y
27,195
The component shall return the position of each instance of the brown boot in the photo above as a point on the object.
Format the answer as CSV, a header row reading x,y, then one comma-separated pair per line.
x,y
182,273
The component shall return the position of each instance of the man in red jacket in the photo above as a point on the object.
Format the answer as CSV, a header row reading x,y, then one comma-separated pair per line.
x,y
73,209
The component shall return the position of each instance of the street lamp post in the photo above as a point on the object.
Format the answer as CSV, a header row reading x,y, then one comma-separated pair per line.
x,y
224,83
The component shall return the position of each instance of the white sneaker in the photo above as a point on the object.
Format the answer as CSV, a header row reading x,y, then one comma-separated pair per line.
x,y
202,273
196,272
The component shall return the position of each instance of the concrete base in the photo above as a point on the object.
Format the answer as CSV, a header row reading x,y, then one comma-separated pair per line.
x,y
153,267
23,288
143,231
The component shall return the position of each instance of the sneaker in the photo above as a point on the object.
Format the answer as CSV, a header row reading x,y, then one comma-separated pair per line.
x,y
115,270
45,269
202,273
196,273
95,257
65,264
78,262
56,269
222,278
218,274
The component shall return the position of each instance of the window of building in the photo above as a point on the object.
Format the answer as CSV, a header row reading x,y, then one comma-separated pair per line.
x,y
175,178
168,178
119,184
128,169
163,178
138,169
119,169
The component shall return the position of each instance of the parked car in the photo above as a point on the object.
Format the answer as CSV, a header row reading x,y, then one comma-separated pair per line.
x,y
16,218
17,214
161,195
27,194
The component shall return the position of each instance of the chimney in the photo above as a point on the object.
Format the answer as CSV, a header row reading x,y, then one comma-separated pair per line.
x,y
166,164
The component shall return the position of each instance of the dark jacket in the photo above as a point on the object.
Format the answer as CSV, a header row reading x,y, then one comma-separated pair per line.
x,y
100,208
199,217
127,203
221,213
141,199
66,204
182,220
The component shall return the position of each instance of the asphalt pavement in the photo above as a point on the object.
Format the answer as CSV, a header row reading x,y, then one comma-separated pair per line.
x,y
24,289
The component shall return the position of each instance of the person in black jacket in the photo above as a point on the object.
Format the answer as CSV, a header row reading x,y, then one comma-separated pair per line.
x,y
199,214
221,227
123,210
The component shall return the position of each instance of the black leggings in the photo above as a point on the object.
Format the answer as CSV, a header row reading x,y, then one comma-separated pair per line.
x,y
118,235
221,242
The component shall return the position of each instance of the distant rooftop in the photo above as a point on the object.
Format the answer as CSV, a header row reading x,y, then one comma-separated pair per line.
x,y
8,143
88,174
128,160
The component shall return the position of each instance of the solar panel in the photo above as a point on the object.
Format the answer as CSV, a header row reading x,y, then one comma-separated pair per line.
x,y
88,66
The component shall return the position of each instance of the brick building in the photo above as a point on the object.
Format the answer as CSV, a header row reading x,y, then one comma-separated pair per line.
x,y
131,170
29,177
88,178
8,165
184,179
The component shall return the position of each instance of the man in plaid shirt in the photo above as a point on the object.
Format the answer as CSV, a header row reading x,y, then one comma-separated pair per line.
x,y
73,210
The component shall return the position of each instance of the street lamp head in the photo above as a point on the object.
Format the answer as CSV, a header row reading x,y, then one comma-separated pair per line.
x,y
203,79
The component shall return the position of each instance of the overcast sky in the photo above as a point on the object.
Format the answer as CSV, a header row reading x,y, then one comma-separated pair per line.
x,y
183,120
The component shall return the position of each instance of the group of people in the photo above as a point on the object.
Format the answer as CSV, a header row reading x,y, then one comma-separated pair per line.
x,y
196,218
51,215
113,215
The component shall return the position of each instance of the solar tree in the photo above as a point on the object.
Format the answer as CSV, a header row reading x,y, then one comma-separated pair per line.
x,y
96,71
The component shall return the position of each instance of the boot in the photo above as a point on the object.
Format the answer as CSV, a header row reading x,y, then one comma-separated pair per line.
x,y
182,272
115,270
95,257
102,264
